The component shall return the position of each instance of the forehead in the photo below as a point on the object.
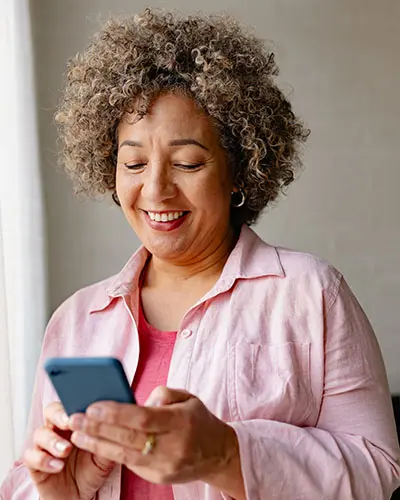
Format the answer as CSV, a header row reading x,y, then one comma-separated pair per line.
x,y
170,116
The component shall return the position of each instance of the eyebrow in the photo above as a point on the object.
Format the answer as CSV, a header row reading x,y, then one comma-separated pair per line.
x,y
187,142
176,142
128,142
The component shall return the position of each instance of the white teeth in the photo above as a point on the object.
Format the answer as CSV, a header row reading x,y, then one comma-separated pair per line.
x,y
165,217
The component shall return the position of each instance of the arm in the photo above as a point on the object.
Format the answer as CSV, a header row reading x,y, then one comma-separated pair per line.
x,y
352,453
18,485
229,479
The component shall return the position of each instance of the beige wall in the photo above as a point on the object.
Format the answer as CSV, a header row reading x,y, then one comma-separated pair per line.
x,y
341,57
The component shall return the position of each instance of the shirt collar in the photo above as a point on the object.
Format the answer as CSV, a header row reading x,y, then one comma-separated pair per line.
x,y
251,258
124,282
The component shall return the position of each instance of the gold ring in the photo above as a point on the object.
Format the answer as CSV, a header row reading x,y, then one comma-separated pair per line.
x,y
149,445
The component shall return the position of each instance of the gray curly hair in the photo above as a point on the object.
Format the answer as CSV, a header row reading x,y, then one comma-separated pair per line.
x,y
226,70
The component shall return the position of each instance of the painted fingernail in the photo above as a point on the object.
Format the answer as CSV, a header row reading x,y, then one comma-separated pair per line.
x,y
61,446
56,464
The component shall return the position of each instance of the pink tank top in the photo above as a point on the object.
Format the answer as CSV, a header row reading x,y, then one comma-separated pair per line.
x,y
155,356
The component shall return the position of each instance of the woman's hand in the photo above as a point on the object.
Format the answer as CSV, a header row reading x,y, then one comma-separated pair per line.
x,y
190,442
59,470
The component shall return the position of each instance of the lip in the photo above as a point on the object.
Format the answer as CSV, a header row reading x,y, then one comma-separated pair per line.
x,y
165,226
172,210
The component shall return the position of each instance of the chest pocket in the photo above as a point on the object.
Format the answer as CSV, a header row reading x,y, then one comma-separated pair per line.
x,y
269,381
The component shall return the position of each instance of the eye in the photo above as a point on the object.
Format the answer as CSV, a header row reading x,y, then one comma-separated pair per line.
x,y
134,166
189,166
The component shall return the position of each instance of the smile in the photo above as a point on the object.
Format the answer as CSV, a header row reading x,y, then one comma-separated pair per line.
x,y
165,216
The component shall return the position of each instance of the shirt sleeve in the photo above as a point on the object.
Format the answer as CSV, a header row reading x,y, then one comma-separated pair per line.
x,y
18,485
352,453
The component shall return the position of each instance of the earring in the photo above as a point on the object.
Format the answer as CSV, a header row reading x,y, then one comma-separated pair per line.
x,y
115,198
242,200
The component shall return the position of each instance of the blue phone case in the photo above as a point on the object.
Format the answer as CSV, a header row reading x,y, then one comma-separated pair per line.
x,y
80,382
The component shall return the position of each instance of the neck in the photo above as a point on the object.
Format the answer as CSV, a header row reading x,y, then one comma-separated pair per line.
x,y
203,267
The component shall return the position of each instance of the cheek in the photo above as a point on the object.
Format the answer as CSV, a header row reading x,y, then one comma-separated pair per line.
x,y
127,188
214,194
214,182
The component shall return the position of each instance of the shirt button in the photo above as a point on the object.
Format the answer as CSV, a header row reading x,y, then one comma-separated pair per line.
x,y
186,333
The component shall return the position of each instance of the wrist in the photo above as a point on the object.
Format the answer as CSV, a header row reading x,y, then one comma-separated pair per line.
x,y
227,476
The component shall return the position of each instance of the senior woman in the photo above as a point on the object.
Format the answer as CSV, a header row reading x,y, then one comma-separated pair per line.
x,y
257,373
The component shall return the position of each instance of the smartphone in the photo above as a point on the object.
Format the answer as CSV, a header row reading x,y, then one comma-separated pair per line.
x,y
80,382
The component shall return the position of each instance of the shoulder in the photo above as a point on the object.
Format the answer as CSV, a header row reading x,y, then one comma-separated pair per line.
x,y
302,275
310,272
82,303
283,269
74,328
301,264
98,297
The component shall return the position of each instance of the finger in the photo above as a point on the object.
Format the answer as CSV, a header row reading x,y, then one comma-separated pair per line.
x,y
130,438
140,418
55,415
39,460
110,451
164,396
50,441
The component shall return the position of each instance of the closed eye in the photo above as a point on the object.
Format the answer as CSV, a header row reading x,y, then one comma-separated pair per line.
x,y
185,166
134,166
189,166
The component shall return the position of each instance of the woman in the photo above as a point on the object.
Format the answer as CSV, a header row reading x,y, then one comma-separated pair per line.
x,y
257,373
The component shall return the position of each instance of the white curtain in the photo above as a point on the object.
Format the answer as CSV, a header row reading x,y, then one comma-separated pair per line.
x,y
22,269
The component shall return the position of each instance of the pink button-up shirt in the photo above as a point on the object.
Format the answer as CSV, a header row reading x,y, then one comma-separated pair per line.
x,y
280,349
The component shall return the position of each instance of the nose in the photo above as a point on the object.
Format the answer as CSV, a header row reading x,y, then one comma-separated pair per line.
x,y
158,184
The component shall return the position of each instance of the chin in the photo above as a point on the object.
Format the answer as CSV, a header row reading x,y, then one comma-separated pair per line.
x,y
166,248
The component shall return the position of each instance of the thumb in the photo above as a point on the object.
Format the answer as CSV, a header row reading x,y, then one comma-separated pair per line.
x,y
164,396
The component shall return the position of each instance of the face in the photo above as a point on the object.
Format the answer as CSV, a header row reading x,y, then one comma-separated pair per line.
x,y
173,180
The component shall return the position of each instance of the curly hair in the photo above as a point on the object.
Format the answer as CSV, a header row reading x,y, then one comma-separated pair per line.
x,y
226,70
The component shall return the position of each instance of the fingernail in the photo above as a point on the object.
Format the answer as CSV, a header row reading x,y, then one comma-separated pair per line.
x,y
79,439
63,418
155,402
77,422
56,464
61,446
95,412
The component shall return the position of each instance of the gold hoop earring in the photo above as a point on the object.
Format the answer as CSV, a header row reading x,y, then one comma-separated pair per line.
x,y
240,202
